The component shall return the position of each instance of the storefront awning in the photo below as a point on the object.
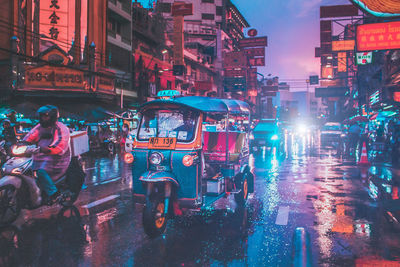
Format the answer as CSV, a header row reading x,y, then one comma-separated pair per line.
x,y
83,111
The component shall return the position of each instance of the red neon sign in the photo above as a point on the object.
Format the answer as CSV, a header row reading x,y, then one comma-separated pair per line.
x,y
378,36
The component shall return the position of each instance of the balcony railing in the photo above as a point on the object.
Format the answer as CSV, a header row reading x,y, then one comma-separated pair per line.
x,y
112,34
126,7
125,40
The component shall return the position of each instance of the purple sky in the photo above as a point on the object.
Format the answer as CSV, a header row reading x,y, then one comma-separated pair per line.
x,y
292,27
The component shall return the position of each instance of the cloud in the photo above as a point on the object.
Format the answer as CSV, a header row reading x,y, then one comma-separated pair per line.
x,y
304,8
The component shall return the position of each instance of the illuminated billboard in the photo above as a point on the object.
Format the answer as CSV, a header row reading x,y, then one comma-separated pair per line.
x,y
378,36
364,58
327,72
343,45
342,62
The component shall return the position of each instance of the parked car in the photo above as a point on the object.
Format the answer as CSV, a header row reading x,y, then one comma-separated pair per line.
x,y
266,134
331,133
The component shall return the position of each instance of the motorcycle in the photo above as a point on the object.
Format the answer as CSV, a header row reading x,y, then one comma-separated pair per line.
x,y
19,190
110,144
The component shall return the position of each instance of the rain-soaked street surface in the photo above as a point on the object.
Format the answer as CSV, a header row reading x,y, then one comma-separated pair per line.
x,y
349,212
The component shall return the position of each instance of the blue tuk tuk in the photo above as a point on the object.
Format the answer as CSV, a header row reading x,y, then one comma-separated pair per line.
x,y
188,153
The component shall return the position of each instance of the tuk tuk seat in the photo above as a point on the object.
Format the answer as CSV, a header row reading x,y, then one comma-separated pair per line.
x,y
215,145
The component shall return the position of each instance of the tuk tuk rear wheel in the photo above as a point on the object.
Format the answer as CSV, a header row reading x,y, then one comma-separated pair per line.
x,y
154,219
242,184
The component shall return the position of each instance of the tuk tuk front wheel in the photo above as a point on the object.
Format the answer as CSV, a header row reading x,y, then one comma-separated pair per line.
x,y
154,219
243,184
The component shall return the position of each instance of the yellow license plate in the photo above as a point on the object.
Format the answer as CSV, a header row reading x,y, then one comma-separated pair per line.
x,y
162,143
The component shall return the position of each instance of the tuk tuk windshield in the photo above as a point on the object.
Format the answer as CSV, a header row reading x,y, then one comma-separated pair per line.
x,y
179,124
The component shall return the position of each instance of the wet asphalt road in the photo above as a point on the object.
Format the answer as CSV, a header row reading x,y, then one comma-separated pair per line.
x,y
345,209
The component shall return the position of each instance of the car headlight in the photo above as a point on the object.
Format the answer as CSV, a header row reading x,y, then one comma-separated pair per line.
x,y
274,137
156,158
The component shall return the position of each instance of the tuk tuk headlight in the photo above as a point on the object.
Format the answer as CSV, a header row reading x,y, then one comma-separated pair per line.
x,y
156,158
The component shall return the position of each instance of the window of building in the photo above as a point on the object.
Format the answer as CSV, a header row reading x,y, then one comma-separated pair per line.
x,y
169,85
165,7
207,16
218,10
207,1
114,26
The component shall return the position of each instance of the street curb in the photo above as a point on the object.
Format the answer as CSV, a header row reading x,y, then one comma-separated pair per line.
x,y
301,248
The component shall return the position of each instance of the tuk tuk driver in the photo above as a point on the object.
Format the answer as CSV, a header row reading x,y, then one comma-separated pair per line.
x,y
186,128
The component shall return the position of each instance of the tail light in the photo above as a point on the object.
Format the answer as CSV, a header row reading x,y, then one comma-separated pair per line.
x,y
128,158
187,160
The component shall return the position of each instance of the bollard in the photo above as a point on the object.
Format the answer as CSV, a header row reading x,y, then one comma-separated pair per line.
x,y
301,248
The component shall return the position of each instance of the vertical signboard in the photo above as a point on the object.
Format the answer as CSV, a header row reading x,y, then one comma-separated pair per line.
x,y
342,62
178,40
327,72
179,10
57,23
252,79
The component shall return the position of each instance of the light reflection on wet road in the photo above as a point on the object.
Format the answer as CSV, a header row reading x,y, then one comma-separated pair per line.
x,y
342,206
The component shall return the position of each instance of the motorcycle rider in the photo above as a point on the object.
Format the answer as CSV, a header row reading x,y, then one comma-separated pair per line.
x,y
54,157
9,135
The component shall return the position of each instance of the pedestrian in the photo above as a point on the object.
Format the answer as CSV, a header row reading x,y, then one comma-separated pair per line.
x,y
354,136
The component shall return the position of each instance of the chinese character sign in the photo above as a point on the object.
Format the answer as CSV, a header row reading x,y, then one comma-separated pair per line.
x,y
57,23
378,36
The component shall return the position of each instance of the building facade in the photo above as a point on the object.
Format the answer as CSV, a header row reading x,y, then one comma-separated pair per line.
x,y
55,49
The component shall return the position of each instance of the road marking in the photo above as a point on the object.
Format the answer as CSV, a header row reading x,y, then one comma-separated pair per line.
x,y
100,201
283,215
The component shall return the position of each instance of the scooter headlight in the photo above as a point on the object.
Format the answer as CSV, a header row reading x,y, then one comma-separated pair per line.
x,y
156,158
19,150
17,170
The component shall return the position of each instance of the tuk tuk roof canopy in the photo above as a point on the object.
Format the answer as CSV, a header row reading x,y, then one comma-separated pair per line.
x,y
206,104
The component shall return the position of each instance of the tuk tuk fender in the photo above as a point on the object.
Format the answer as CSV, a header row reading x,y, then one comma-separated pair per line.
x,y
155,177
